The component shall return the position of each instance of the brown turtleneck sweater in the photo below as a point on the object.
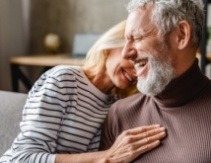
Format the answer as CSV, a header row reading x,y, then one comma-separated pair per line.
x,y
184,108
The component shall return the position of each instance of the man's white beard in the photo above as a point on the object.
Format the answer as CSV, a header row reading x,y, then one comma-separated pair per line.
x,y
160,74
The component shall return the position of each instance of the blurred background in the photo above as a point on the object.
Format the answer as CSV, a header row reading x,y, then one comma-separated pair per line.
x,y
25,24
33,28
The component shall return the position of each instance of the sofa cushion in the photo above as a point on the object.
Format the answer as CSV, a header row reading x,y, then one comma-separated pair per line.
x,y
11,107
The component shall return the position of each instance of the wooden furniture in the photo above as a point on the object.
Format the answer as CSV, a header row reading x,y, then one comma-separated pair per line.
x,y
44,61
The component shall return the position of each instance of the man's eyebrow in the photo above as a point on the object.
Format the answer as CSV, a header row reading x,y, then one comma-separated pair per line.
x,y
143,34
129,37
137,36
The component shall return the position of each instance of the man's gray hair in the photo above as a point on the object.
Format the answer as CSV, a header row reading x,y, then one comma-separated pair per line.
x,y
166,15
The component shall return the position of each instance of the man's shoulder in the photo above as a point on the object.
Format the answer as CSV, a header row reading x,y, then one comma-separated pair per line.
x,y
129,103
131,99
209,82
207,89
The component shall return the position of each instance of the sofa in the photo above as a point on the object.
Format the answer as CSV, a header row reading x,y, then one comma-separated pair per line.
x,y
11,107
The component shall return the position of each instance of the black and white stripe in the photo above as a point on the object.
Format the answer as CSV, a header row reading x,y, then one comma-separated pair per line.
x,y
63,114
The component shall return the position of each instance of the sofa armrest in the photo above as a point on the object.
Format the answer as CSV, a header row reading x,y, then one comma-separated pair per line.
x,y
11,107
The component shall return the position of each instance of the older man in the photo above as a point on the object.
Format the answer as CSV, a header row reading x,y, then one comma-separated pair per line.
x,y
162,37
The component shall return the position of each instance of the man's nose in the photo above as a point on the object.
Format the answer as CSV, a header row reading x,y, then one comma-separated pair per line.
x,y
128,52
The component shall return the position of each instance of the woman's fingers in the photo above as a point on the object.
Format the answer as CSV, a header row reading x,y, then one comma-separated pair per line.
x,y
133,142
139,130
147,147
150,140
146,132
150,132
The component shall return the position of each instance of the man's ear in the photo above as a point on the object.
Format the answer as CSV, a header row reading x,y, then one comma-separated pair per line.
x,y
183,34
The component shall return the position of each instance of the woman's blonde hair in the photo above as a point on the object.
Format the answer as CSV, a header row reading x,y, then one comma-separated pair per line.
x,y
96,57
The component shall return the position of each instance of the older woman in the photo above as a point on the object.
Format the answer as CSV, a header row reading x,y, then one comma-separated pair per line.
x,y
66,107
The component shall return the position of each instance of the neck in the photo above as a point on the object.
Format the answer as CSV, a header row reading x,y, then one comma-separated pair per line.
x,y
187,57
183,88
101,81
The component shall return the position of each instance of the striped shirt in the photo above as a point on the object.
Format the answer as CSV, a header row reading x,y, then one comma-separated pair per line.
x,y
63,114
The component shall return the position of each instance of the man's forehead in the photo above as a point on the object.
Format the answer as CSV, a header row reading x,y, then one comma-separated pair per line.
x,y
138,22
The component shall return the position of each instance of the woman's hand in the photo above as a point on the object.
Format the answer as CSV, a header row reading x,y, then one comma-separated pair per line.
x,y
130,144
133,142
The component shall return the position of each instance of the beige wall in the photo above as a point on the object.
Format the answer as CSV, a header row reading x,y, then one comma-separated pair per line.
x,y
67,17
12,38
24,24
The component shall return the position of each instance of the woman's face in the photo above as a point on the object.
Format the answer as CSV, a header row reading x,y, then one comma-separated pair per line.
x,y
120,71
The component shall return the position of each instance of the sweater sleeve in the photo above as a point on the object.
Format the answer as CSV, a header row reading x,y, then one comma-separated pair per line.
x,y
43,113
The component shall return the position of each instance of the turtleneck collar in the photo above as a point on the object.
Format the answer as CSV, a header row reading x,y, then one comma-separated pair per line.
x,y
183,88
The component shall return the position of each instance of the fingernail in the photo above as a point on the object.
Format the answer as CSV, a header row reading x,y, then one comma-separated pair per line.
x,y
157,142
162,128
157,125
162,133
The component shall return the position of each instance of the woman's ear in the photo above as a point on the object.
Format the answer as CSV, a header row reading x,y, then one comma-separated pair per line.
x,y
183,35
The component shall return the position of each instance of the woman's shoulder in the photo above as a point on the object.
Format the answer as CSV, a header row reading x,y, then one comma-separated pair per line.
x,y
64,71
